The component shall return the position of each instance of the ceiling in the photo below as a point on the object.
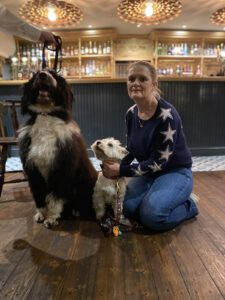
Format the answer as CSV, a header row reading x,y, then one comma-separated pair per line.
x,y
103,14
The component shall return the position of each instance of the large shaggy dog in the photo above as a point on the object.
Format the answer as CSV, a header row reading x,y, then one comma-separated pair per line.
x,y
53,152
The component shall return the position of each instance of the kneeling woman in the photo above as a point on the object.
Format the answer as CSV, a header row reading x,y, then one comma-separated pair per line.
x,y
158,195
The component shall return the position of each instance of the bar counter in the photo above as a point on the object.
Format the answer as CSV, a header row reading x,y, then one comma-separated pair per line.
x,y
106,80
101,103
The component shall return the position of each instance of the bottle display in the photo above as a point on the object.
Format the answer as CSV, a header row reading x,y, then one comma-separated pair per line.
x,y
179,69
214,50
95,68
179,49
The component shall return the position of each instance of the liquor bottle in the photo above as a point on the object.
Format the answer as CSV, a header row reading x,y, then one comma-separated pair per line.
x,y
86,48
24,51
159,71
182,49
72,50
82,50
169,50
171,70
192,49
214,50
95,51
20,72
108,50
87,69
90,50
68,51
159,49
97,69
93,68
167,70
90,68
173,49
185,49
198,70
104,48
178,70
76,50
99,49
82,70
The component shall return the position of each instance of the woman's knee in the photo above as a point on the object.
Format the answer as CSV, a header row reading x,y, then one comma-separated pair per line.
x,y
152,216
129,209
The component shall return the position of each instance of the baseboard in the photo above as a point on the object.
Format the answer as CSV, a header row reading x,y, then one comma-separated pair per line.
x,y
207,151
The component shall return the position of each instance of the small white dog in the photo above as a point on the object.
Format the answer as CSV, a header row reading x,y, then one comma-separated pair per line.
x,y
105,190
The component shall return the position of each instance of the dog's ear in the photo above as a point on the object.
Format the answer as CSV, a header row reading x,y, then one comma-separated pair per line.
x,y
65,96
26,96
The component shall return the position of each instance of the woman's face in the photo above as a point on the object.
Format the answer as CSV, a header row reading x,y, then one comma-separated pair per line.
x,y
139,83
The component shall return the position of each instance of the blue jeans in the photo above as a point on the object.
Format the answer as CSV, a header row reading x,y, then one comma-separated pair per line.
x,y
161,203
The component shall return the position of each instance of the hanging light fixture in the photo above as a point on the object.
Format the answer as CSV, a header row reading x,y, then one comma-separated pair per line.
x,y
142,12
51,14
218,17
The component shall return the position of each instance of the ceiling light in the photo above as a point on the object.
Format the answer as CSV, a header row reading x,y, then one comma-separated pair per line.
x,y
184,26
89,26
218,17
149,9
148,12
51,14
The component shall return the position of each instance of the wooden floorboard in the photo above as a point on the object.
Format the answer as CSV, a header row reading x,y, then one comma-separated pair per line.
x,y
76,261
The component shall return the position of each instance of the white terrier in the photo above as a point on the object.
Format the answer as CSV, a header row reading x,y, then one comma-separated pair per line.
x,y
105,190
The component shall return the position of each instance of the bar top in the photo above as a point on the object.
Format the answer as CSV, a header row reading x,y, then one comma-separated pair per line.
x,y
108,80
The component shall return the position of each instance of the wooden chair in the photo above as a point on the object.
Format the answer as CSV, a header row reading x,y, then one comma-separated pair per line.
x,y
5,142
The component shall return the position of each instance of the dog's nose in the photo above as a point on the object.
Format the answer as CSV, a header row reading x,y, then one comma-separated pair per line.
x,y
43,75
98,143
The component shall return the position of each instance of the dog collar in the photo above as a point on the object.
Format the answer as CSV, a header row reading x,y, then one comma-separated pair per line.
x,y
113,177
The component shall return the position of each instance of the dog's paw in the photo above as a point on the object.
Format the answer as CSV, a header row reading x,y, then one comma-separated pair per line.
x,y
39,218
50,222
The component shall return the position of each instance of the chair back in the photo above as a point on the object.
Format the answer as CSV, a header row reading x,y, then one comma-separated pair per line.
x,y
12,105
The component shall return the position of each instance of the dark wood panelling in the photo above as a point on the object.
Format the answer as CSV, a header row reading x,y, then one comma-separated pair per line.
x,y
100,108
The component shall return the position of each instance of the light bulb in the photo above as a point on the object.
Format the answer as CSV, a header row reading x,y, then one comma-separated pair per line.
x,y
149,9
14,59
51,14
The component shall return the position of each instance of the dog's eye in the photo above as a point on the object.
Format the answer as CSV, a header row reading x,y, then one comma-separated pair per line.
x,y
110,145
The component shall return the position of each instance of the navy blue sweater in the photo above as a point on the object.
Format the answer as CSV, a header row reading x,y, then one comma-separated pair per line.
x,y
158,146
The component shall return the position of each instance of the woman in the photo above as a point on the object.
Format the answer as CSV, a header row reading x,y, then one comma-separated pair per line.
x,y
158,195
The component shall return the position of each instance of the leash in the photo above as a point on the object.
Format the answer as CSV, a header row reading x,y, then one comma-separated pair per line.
x,y
113,226
57,50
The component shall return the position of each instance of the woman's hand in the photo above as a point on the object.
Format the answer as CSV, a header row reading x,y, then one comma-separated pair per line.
x,y
111,169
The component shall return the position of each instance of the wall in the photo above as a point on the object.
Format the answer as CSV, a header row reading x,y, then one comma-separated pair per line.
x,y
100,108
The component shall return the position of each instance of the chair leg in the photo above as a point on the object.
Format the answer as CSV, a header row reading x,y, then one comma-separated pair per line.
x,y
2,166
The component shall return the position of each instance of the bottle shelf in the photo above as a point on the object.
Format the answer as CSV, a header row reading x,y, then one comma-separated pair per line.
x,y
66,57
95,55
179,56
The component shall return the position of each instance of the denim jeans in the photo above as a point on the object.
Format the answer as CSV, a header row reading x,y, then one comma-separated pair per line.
x,y
161,203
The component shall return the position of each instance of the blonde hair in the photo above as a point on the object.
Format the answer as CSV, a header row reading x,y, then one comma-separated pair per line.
x,y
152,71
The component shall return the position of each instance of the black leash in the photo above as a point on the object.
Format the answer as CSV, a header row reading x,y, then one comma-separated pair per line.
x,y
57,50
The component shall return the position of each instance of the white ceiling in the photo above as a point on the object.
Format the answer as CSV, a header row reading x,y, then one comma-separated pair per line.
x,y
103,14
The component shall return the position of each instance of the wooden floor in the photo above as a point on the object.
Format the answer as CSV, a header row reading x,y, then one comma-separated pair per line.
x,y
75,260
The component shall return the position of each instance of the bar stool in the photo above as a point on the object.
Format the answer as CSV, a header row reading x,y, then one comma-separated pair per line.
x,y
5,142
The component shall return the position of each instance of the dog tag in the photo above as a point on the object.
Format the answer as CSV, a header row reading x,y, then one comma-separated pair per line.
x,y
115,230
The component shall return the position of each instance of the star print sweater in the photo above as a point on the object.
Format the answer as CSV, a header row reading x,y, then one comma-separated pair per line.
x,y
158,144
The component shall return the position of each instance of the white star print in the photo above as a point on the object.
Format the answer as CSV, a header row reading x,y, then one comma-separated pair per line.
x,y
165,154
165,113
155,167
138,171
168,134
132,108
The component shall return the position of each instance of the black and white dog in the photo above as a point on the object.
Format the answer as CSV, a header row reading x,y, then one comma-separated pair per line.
x,y
53,152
